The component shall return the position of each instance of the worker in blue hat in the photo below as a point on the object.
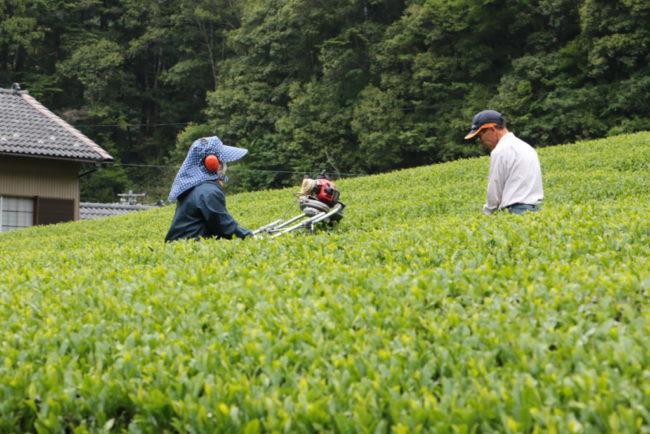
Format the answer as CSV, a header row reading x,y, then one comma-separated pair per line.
x,y
198,191
515,180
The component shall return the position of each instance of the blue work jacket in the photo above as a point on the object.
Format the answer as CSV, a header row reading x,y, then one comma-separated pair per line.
x,y
201,213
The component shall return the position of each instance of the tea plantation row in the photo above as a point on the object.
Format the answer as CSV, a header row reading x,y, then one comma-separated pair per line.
x,y
416,313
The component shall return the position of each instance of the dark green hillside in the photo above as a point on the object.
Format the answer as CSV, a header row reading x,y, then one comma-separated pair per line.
x,y
356,86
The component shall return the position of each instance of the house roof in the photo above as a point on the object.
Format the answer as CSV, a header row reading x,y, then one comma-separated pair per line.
x,y
91,210
28,128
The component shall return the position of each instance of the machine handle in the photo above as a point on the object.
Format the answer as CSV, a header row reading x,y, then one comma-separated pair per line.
x,y
265,227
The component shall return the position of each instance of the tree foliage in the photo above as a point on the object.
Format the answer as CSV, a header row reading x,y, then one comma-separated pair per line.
x,y
354,86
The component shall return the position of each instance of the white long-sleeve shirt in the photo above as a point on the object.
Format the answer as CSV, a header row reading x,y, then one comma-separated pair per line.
x,y
515,175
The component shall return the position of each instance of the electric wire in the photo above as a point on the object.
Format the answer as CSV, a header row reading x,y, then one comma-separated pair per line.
x,y
235,169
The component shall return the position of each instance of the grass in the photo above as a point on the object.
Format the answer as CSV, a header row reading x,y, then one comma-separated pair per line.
x,y
415,313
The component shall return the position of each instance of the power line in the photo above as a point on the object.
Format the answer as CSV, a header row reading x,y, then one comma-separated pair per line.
x,y
130,125
234,169
291,171
145,165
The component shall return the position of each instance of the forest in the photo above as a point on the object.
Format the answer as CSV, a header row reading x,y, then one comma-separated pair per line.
x,y
351,86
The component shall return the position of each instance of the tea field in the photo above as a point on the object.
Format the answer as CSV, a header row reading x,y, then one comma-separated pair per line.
x,y
416,313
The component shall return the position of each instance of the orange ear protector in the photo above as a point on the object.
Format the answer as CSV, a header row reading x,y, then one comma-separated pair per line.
x,y
212,163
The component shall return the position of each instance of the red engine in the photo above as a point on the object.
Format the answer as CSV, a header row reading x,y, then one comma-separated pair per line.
x,y
326,191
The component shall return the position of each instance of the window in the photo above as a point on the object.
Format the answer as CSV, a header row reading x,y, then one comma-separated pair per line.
x,y
22,212
49,211
15,213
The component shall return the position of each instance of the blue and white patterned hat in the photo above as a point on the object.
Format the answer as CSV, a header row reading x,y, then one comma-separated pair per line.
x,y
193,172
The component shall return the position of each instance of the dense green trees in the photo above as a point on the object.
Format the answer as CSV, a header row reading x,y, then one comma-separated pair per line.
x,y
356,86
586,78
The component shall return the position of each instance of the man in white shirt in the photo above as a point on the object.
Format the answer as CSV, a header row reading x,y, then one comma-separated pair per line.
x,y
515,181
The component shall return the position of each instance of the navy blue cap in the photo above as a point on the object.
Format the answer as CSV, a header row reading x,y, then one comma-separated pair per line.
x,y
484,119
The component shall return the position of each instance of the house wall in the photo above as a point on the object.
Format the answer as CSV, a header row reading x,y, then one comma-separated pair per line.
x,y
30,177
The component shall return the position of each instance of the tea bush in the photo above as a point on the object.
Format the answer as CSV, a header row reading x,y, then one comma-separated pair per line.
x,y
415,313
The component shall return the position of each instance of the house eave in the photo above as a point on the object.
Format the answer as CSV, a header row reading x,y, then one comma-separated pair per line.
x,y
60,158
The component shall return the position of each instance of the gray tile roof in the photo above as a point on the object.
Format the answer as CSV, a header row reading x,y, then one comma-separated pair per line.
x,y
28,128
91,210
